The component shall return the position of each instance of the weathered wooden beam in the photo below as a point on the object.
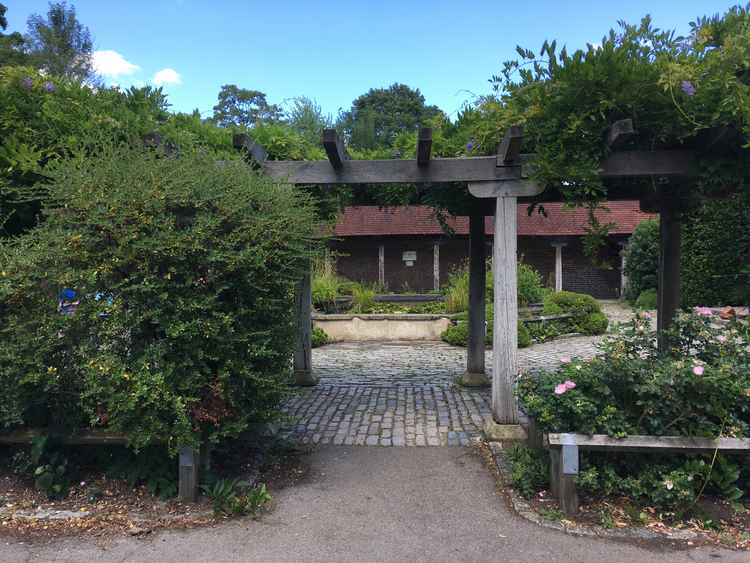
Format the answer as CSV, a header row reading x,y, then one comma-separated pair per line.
x,y
253,150
619,133
85,438
440,170
505,324
510,147
626,164
335,150
424,146
475,375
686,444
515,188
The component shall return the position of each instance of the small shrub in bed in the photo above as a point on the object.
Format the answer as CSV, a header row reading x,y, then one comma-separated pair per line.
x,y
183,271
646,300
319,337
587,314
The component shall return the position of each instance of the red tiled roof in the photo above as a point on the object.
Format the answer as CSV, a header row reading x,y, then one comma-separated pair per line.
x,y
419,220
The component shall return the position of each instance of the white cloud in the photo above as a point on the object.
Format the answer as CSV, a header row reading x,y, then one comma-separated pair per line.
x,y
112,64
167,76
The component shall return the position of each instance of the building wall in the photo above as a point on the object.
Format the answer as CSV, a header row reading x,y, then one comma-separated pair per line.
x,y
357,259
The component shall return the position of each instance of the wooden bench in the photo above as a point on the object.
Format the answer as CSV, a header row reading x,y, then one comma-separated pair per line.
x,y
190,460
564,450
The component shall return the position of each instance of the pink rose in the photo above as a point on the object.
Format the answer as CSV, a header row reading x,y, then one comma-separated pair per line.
x,y
565,360
560,389
698,370
704,311
721,338
569,384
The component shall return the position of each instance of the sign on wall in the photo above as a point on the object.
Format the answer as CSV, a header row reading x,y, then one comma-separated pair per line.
x,y
409,257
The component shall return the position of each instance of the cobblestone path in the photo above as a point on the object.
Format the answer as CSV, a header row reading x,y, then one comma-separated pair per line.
x,y
403,393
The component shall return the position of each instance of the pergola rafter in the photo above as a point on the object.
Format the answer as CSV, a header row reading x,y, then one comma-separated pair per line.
x,y
504,177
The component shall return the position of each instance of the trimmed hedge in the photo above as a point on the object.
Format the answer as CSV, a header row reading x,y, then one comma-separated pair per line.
x,y
458,335
642,259
184,272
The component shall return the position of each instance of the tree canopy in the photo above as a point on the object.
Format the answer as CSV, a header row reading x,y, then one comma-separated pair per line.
x,y
378,116
59,44
241,107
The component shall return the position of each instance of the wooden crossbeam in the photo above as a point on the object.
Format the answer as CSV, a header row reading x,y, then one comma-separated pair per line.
x,y
253,150
619,133
640,443
334,146
424,146
440,170
510,147
626,164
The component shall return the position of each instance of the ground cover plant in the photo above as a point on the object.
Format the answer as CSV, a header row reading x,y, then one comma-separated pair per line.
x,y
155,300
700,387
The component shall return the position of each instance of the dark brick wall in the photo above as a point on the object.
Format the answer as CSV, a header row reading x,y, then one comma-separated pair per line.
x,y
357,259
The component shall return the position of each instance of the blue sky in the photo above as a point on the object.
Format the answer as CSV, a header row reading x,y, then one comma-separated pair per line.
x,y
333,51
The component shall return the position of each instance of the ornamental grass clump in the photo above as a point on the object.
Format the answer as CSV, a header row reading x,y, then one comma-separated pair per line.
x,y
155,299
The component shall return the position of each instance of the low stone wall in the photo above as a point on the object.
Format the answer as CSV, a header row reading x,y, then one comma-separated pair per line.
x,y
357,328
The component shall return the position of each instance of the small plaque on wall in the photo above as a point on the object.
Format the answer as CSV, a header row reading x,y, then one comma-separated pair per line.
x,y
410,256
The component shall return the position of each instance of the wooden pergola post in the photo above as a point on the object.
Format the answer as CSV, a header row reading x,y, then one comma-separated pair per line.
x,y
303,374
475,375
668,291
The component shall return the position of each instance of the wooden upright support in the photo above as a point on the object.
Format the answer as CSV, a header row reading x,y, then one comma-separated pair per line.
x,y
505,333
303,374
475,369
189,461
424,146
668,292
334,146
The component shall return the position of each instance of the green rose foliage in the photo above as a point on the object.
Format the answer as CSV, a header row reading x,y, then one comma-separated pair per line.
x,y
185,270
700,388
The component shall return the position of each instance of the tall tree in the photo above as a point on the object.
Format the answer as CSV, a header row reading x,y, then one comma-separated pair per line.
x,y
242,107
59,44
307,118
376,117
11,45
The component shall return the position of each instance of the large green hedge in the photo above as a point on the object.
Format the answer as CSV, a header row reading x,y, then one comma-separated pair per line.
x,y
642,259
184,269
715,265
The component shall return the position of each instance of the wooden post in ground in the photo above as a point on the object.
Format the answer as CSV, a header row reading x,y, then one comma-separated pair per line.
x,y
505,333
668,296
503,425
189,461
475,369
303,350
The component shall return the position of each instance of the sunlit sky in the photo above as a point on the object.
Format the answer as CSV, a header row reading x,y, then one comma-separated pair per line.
x,y
333,51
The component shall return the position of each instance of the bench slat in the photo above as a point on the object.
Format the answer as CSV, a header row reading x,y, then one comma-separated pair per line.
x,y
645,443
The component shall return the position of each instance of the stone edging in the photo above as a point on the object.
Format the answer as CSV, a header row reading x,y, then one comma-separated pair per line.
x,y
522,507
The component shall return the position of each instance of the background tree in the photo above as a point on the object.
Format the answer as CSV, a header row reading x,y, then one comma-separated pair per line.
x,y
242,107
376,118
59,44
11,45
307,118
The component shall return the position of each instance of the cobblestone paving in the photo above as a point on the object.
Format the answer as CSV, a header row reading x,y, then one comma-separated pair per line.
x,y
403,393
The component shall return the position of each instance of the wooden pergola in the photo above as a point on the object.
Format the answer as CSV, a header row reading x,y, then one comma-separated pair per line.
x,y
503,178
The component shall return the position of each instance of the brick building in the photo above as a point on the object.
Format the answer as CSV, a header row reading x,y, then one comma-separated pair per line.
x,y
405,248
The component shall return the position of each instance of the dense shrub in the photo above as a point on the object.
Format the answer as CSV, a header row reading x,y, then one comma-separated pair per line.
x,y
647,300
700,388
642,259
184,270
319,337
587,314
715,260
458,335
